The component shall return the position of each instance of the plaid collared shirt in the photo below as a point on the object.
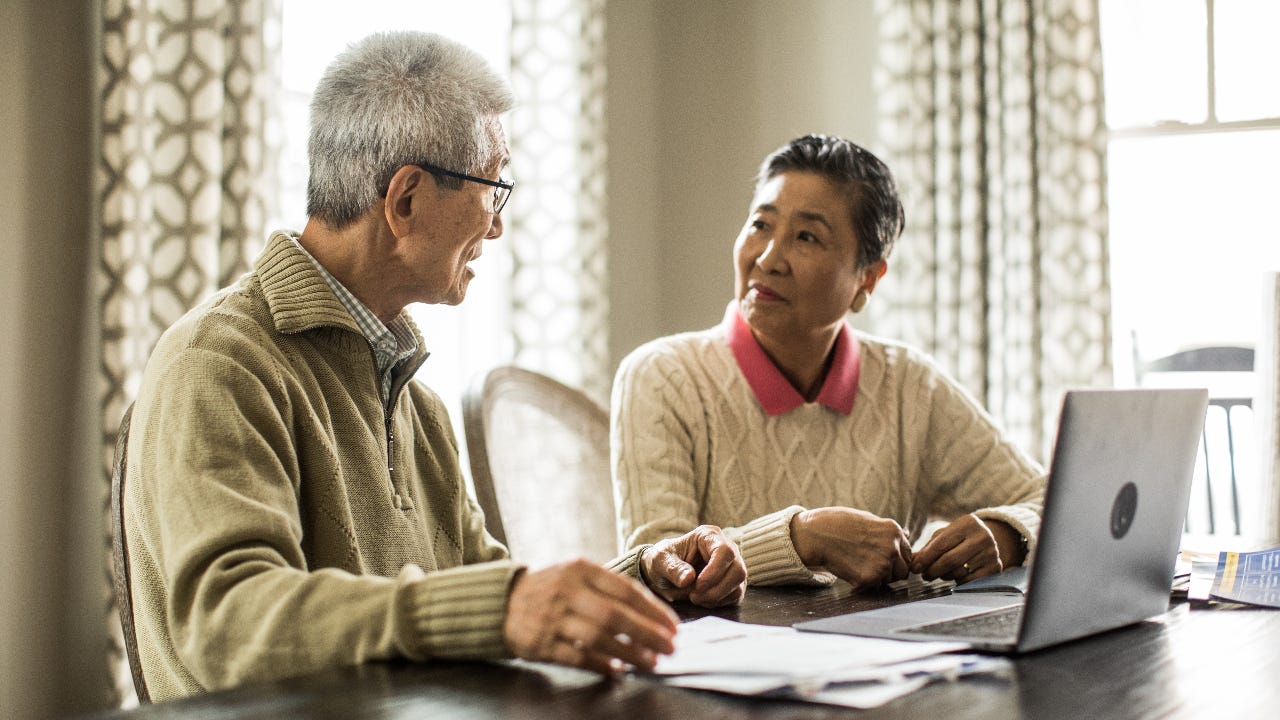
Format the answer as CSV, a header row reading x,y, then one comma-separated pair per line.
x,y
391,344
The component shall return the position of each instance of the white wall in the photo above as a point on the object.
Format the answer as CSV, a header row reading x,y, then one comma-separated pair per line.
x,y
698,94
52,642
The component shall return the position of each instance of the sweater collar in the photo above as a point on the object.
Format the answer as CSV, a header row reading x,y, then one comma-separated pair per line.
x,y
300,299
772,390
297,295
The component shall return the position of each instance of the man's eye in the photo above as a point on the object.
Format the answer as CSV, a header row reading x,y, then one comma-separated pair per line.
x,y
808,237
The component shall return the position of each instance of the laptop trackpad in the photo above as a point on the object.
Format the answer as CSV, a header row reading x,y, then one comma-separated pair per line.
x,y
883,621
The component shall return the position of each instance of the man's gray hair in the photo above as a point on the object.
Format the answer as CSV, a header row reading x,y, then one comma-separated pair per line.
x,y
396,99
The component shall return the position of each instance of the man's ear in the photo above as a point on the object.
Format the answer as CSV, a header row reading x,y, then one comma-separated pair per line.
x,y
408,195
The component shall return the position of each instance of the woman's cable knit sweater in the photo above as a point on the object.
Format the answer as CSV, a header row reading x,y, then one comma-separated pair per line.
x,y
692,444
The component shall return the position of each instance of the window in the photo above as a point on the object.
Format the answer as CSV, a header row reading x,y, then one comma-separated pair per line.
x,y
1193,109
314,32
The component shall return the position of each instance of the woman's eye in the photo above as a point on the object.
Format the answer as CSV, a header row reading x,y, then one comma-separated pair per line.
x,y
758,225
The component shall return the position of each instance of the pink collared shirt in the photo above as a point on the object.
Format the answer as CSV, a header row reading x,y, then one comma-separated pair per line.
x,y
771,388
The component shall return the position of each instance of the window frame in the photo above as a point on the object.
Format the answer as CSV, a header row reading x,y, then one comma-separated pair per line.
x,y
1211,124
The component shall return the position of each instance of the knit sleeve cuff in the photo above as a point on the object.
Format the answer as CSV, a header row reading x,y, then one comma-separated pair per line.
x,y
1022,519
456,613
629,564
770,557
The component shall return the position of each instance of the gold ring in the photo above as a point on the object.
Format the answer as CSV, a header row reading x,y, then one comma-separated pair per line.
x,y
966,568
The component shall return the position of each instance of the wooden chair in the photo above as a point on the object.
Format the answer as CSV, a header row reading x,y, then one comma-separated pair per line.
x,y
120,559
539,453
1229,419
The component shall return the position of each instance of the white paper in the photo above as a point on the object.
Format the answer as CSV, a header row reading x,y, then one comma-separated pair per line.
x,y
760,660
867,696
718,646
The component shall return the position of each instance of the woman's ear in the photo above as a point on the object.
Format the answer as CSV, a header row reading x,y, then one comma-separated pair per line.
x,y
871,275
859,301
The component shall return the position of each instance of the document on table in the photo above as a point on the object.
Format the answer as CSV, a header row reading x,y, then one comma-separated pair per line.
x,y
1250,577
725,656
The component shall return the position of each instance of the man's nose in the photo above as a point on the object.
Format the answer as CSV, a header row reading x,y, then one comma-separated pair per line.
x,y
495,227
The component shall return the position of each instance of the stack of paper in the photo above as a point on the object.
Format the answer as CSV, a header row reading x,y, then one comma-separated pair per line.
x,y
1212,571
1193,574
1251,577
725,656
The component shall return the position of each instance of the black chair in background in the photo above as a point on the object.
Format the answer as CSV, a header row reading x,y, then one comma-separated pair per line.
x,y
1221,453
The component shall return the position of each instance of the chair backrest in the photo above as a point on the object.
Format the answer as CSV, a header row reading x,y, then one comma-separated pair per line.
x,y
539,453
1204,359
1221,468
120,559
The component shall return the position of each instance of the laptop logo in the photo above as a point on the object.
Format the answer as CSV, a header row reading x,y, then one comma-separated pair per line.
x,y
1123,510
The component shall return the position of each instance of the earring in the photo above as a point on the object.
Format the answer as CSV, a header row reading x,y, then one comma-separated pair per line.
x,y
859,301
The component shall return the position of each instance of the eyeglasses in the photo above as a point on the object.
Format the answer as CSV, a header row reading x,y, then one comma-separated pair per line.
x,y
501,188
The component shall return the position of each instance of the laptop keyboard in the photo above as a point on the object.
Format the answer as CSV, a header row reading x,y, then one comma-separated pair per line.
x,y
1002,623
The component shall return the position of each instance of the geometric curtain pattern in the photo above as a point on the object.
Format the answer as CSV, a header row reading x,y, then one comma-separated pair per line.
x,y
557,226
992,119
186,173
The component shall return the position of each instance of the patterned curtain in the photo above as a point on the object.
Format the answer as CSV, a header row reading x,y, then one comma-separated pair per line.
x,y
186,176
992,120
559,312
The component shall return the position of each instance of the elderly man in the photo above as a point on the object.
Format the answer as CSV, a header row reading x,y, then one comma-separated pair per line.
x,y
294,499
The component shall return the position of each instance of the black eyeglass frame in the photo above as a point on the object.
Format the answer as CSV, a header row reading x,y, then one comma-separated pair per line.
x,y
499,203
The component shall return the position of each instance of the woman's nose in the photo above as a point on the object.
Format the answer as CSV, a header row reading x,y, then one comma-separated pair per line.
x,y
771,259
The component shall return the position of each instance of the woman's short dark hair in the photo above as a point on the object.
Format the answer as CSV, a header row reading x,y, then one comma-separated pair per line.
x,y
873,195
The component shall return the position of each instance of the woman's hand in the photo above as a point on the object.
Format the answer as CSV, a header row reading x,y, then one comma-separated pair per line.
x,y
863,549
702,566
969,548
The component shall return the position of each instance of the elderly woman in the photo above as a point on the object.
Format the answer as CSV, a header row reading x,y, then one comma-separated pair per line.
x,y
821,450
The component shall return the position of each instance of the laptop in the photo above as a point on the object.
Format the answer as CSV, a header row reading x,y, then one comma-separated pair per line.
x,y
1114,508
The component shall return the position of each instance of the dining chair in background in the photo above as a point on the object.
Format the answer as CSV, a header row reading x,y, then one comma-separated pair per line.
x,y
539,454
1224,467
120,558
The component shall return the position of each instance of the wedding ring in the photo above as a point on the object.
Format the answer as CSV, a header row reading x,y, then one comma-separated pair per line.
x,y
966,568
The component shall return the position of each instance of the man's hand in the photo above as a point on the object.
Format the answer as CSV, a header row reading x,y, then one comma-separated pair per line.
x,y
864,549
967,549
701,566
580,614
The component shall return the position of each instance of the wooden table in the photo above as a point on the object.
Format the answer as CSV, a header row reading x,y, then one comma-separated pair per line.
x,y
1192,662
